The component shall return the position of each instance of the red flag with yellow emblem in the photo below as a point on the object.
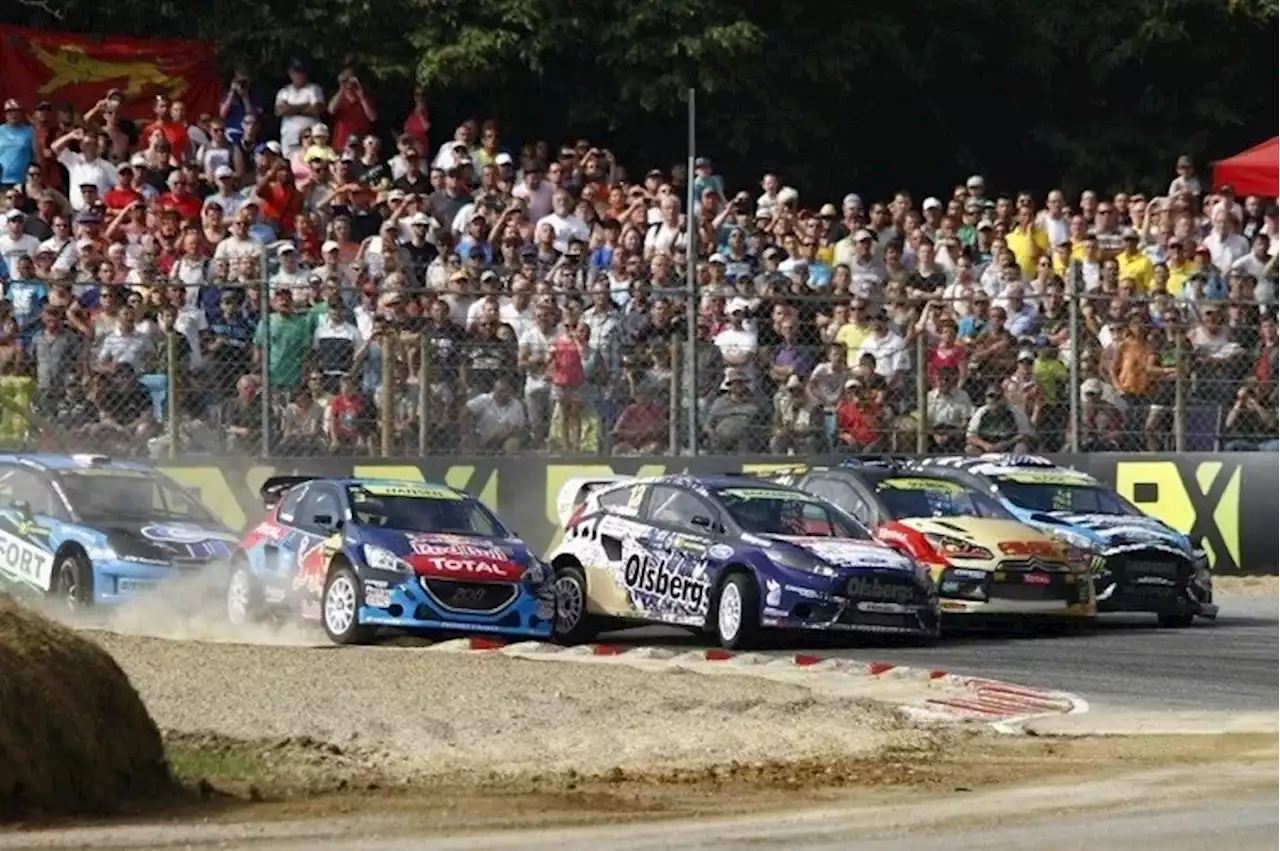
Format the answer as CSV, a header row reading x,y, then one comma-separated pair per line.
x,y
39,65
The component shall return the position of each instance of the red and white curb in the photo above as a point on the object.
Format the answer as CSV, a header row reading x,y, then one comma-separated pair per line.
x,y
922,692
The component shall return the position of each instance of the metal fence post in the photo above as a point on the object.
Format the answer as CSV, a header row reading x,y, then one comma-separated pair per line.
x,y
264,299
673,407
1073,362
171,391
387,436
922,395
424,385
1179,394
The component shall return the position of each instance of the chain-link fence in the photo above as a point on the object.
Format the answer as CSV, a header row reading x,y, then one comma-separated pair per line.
x,y
312,365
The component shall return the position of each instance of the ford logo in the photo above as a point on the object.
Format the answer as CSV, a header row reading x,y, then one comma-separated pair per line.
x,y
174,534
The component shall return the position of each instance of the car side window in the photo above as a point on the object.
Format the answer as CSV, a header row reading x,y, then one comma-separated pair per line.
x,y
289,505
320,500
624,500
674,508
841,494
21,485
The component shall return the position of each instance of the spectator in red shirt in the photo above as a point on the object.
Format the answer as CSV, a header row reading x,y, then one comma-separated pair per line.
x,y
352,110
175,133
418,124
642,427
859,419
180,197
567,376
948,351
344,419
122,195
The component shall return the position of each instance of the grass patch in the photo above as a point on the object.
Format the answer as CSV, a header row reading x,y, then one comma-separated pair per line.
x,y
219,765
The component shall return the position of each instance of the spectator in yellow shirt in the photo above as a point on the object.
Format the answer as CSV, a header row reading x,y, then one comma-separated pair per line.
x,y
856,331
1181,265
1027,242
1134,263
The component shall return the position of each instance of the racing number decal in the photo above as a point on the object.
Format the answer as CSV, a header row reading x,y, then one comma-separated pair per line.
x,y
1205,508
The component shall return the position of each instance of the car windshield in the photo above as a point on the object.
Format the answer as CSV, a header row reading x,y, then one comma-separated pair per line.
x,y
924,496
774,511
422,509
1077,497
104,495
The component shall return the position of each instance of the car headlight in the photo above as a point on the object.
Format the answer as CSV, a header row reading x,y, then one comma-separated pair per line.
x,y
380,558
957,548
803,562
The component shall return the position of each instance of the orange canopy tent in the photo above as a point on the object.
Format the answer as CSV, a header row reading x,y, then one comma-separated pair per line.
x,y
1252,172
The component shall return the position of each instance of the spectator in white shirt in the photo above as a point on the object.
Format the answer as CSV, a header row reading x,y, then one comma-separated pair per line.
x,y
565,225
668,232
298,106
1186,181
1224,244
497,419
86,168
15,242
889,350
238,244
290,276
536,192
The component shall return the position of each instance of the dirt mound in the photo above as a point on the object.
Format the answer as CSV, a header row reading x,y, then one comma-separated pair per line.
x,y
74,735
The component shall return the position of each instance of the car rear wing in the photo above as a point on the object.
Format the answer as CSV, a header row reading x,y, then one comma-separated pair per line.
x,y
574,492
274,488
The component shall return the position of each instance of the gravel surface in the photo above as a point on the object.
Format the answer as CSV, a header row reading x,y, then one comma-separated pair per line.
x,y
425,711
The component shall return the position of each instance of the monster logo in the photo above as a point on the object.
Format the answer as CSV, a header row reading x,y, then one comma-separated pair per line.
x,y
1204,507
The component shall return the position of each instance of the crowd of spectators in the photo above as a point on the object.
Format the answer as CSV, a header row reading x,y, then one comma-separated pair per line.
x,y
483,296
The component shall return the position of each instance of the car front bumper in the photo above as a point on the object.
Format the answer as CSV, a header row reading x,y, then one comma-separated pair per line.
x,y
499,608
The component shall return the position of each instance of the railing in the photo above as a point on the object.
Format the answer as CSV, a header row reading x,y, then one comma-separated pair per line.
x,y
343,371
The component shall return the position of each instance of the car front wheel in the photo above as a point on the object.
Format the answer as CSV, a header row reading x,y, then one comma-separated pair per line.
x,y
73,581
340,608
243,599
737,619
574,624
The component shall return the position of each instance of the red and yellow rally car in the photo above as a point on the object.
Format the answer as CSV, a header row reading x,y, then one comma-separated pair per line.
x,y
982,558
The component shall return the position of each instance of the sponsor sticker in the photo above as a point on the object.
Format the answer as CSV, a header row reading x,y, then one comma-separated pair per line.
x,y
171,533
871,588
1035,579
25,560
921,484
773,592
379,598
882,608
653,576
768,493
807,593
719,552
411,491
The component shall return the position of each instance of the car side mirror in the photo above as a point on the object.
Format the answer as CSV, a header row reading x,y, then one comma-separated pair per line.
x,y
699,520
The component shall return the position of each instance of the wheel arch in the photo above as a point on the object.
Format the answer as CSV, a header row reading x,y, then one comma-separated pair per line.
x,y
737,567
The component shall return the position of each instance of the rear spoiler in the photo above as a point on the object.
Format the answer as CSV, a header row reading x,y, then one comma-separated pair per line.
x,y
574,492
275,487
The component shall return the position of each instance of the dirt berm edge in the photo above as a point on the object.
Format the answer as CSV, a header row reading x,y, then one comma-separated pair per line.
x,y
75,738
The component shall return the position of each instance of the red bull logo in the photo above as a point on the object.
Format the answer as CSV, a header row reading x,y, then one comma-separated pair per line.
x,y
313,567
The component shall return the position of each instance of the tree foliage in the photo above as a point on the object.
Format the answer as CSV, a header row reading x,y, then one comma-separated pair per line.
x,y
833,96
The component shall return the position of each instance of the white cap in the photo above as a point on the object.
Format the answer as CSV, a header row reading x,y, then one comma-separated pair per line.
x,y
717,258
738,305
503,159
932,203
974,181
223,171
329,246
274,147
286,248
138,160
420,219
320,130
788,196
15,215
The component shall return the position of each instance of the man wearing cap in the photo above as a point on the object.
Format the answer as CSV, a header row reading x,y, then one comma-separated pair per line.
x,y
84,168
1134,263
15,242
17,145
298,106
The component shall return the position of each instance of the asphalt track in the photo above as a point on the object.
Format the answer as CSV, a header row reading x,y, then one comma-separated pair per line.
x,y
1127,662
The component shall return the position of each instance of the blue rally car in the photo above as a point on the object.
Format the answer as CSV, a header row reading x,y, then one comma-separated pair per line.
x,y
1139,563
358,554
89,530
729,555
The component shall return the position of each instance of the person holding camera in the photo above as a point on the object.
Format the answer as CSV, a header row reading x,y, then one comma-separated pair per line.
x,y
352,110
1250,426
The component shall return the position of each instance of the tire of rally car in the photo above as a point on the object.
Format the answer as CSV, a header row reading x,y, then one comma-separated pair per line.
x,y
736,617
73,581
571,598
1175,620
343,587
240,580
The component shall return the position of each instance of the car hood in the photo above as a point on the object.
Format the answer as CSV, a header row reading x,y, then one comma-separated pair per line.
x,y
1116,532
976,530
475,558
848,552
167,541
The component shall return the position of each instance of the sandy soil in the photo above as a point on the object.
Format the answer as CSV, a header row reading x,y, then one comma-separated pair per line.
x,y
1246,586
